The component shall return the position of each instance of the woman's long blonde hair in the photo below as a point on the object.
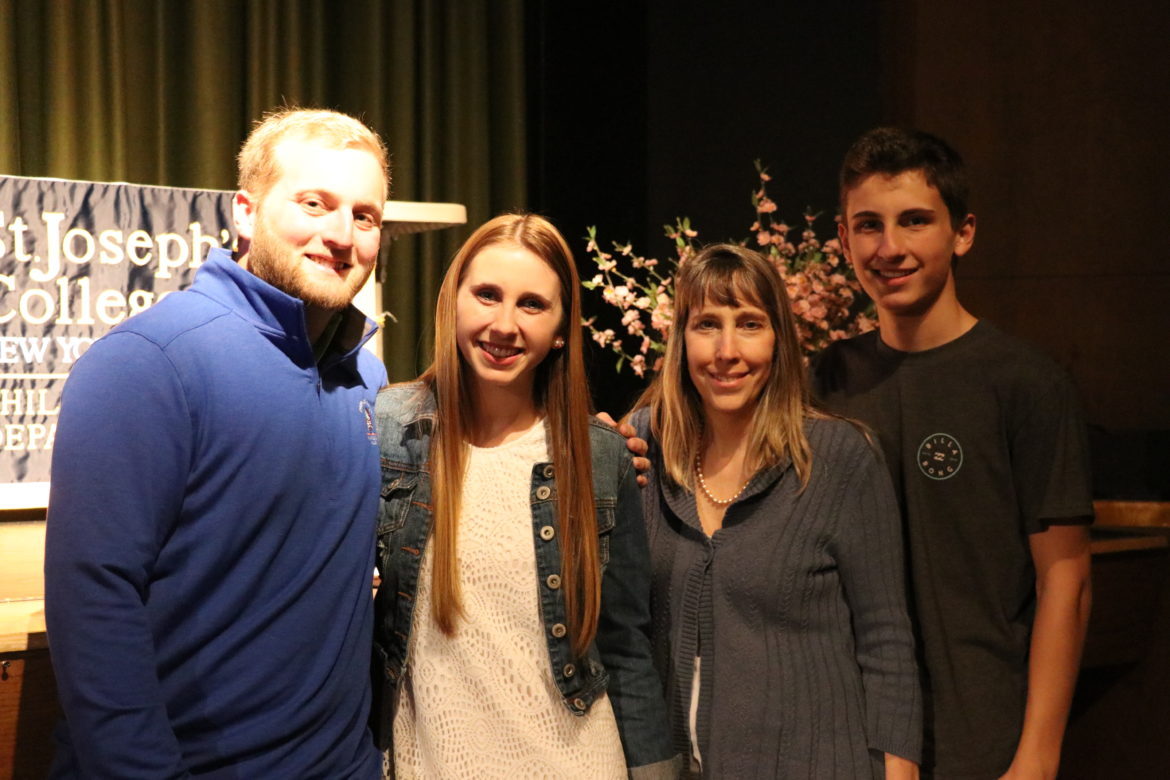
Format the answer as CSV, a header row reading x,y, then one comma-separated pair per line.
x,y
730,275
560,390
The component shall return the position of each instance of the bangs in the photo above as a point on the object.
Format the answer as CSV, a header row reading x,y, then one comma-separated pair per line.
x,y
725,285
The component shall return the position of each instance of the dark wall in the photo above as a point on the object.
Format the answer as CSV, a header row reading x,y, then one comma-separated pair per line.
x,y
587,137
790,84
587,115
643,112
1062,119
653,110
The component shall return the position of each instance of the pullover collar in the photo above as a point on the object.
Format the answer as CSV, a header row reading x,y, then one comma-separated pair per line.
x,y
278,316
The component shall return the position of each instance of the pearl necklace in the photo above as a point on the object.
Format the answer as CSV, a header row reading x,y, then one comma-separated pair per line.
x,y
707,492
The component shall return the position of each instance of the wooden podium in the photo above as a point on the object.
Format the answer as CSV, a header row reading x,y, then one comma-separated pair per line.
x,y
402,218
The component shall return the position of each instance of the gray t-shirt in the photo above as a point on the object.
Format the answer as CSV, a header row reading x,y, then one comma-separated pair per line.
x,y
986,444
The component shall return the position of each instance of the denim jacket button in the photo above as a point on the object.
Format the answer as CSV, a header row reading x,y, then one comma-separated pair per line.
x,y
553,581
543,492
559,630
569,670
548,471
547,532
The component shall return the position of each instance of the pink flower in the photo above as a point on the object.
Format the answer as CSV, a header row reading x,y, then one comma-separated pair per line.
x,y
800,280
663,314
638,363
603,337
622,296
632,320
816,275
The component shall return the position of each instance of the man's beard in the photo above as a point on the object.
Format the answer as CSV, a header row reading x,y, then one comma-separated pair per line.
x,y
275,262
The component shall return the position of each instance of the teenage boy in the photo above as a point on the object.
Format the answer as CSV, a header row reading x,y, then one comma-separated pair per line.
x,y
987,449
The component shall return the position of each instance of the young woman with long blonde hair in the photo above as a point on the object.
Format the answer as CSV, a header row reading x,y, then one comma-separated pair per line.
x,y
511,630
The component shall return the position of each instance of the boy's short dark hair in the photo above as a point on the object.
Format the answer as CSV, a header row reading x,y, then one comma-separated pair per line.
x,y
893,150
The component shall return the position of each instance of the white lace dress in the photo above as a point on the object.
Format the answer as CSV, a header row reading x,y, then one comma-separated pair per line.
x,y
483,702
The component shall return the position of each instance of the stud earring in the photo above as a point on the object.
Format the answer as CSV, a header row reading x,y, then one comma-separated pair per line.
x,y
558,342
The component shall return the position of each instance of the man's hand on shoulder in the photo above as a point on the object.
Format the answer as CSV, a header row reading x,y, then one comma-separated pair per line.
x,y
635,445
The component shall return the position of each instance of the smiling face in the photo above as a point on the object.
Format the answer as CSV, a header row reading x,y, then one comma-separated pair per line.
x,y
729,356
316,231
898,235
508,312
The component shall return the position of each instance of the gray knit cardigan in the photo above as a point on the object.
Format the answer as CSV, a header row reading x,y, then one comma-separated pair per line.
x,y
797,607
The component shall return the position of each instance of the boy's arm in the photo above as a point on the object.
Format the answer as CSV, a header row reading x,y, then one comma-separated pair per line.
x,y
898,768
634,444
1063,594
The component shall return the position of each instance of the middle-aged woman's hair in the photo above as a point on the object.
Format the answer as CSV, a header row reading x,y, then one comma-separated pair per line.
x,y
560,390
729,275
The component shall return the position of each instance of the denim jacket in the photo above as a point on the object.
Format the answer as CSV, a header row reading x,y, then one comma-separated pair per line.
x,y
619,660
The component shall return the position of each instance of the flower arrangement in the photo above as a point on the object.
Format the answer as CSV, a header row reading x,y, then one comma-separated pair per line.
x,y
820,282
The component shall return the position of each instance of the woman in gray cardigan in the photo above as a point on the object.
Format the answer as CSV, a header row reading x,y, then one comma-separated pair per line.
x,y
780,626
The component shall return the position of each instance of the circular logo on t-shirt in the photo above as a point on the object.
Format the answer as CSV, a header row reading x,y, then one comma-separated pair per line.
x,y
940,456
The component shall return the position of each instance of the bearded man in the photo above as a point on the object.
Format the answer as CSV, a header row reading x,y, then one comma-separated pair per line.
x,y
214,488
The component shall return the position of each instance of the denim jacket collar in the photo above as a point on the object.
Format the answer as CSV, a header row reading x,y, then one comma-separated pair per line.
x,y
620,653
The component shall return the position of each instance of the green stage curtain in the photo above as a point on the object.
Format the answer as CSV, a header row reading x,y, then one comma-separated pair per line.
x,y
164,92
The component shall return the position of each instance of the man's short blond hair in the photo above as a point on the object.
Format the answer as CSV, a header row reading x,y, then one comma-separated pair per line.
x,y
258,166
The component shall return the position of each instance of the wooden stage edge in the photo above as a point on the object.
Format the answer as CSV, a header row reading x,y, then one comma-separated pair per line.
x,y
1132,514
